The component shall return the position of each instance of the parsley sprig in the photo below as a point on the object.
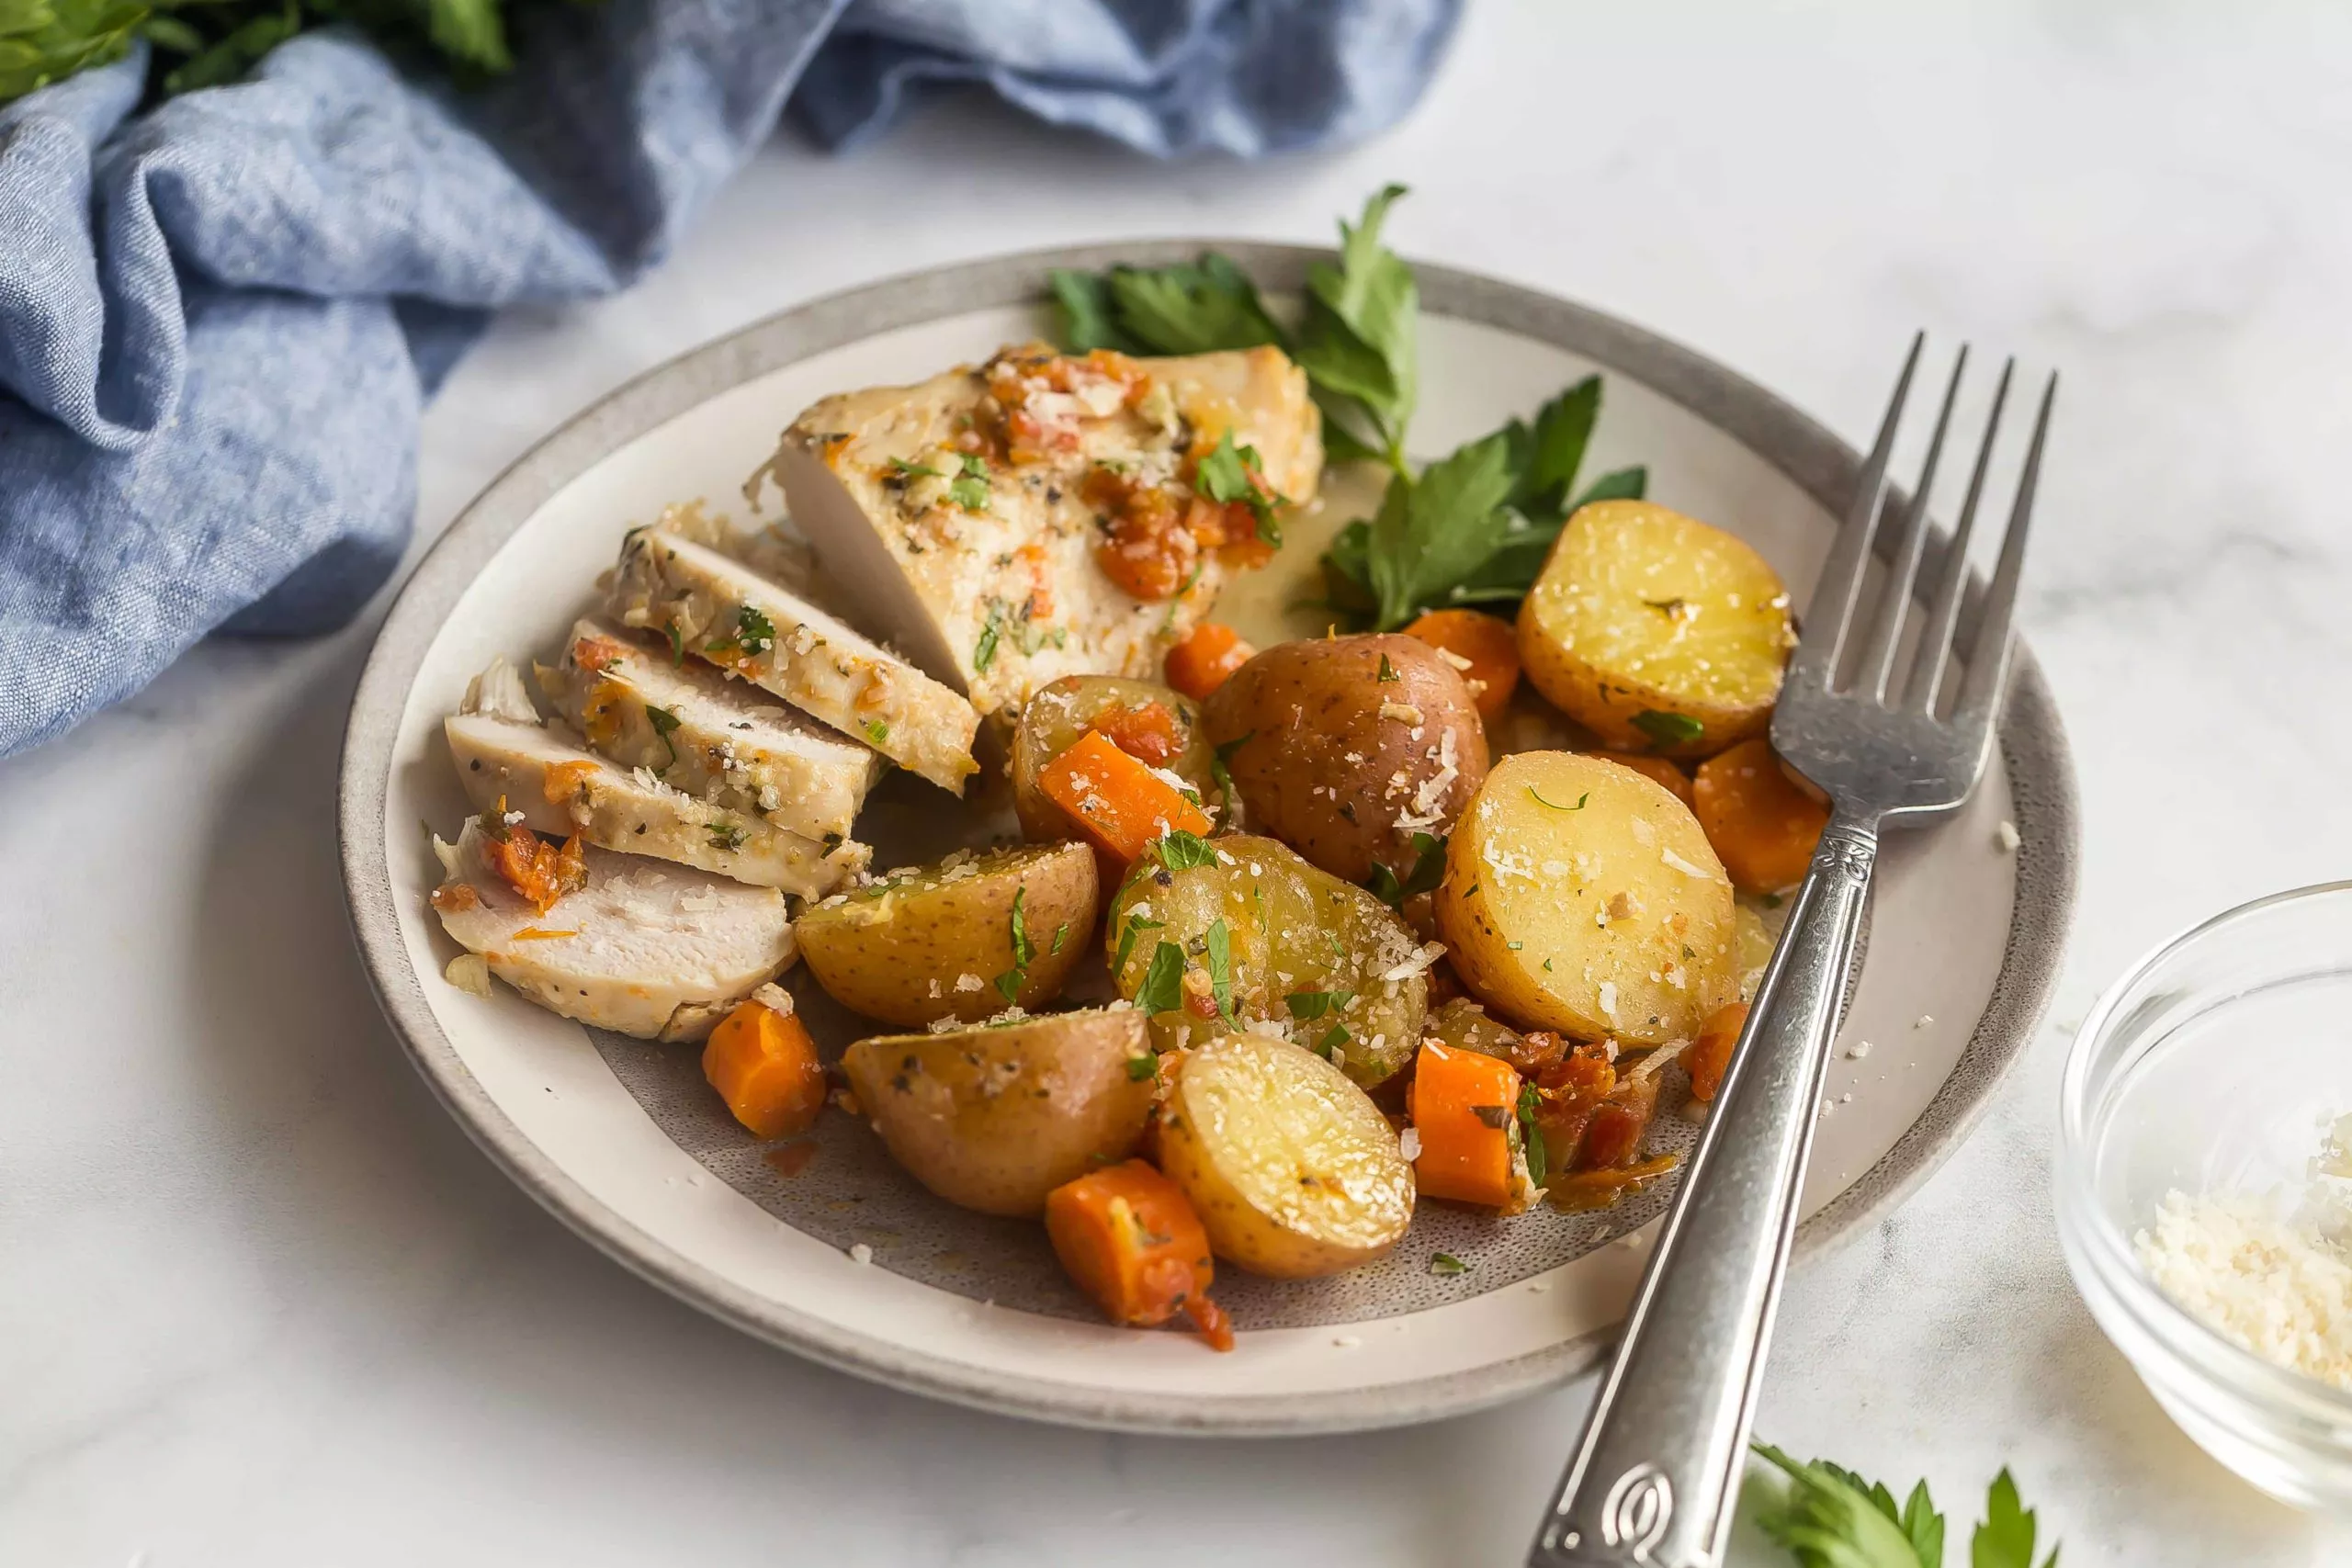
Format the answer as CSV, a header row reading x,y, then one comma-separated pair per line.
x,y
1009,984
1827,1517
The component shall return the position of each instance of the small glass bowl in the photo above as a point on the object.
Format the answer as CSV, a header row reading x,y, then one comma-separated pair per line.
x,y
2213,1066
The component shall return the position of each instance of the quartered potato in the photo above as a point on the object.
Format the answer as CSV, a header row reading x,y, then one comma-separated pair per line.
x,y
1053,720
1656,631
1582,896
963,938
1294,1170
994,1118
1251,934
1346,747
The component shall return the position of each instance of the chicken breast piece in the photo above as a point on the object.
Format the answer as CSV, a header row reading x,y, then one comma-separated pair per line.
x,y
660,952
716,609
560,787
1042,514
719,740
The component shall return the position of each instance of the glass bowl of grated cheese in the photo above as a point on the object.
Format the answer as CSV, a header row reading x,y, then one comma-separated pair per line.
x,y
2204,1185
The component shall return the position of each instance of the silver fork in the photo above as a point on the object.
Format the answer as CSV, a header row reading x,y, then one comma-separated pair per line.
x,y
1655,1477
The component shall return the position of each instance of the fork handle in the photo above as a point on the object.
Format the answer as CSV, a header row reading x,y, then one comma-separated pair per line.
x,y
1655,1475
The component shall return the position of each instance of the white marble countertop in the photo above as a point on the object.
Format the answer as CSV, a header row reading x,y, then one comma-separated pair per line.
x,y
261,1302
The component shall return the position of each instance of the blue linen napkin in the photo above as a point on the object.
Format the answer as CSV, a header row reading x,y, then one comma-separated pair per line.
x,y
219,321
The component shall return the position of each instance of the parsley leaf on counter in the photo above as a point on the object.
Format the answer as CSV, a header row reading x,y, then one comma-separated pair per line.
x,y
1831,1517
2006,1538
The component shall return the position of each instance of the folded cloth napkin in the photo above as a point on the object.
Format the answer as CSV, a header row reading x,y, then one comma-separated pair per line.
x,y
219,321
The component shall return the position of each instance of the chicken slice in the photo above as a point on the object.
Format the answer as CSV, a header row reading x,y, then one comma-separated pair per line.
x,y
719,740
559,787
968,519
660,952
713,606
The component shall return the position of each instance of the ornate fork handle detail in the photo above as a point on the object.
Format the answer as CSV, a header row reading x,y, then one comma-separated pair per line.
x,y
1652,1481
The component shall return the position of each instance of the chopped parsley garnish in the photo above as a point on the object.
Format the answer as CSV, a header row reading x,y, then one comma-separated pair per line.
x,y
1305,1005
1062,930
969,488
1141,1068
1009,984
1136,926
984,651
1338,1037
677,642
753,634
1387,671
727,836
666,724
1163,983
902,468
876,731
1429,870
1531,1134
1180,850
1668,729
1446,1263
1541,801
1222,774
1231,473
1219,943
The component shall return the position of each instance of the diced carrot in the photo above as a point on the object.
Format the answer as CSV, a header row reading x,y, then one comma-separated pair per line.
x,y
1116,799
1662,768
535,868
1710,1053
1148,731
1130,1239
1487,644
764,1066
1760,820
1464,1105
1210,652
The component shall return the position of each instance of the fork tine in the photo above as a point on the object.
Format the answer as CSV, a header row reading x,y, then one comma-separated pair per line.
x,y
1832,606
1877,663
1934,653
1988,660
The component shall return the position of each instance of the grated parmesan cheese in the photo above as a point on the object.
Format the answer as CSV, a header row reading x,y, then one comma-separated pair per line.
x,y
2270,1282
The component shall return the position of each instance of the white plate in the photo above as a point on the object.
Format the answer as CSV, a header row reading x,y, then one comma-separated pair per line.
x,y
623,1141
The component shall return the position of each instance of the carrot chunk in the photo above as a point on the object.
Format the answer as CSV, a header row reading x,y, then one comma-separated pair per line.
x,y
1210,652
532,866
1464,1106
1130,1239
1484,647
1118,801
764,1066
1710,1054
1662,768
1759,820
1148,731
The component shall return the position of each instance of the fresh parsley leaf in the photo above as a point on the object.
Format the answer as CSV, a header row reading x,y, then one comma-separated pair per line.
x,y
1531,1134
1089,315
1331,1041
1136,926
1387,674
1180,850
753,634
1219,940
1433,532
970,489
1357,342
1827,1520
2006,1538
1548,453
1060,932
1538,800
1231,473
1624,484
727,836
1191,307
1141,1068
1009,984
1305,1005
665,724
984,651
903,470
677,642
1446,1263
876,731
1429,870
1163,982
1668,729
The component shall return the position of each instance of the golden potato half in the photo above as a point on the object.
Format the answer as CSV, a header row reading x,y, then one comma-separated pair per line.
x,y
1656,631
943,942
1582,896
994,1118
1294,1170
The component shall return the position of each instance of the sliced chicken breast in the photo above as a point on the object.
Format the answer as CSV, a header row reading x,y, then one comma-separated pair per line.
x,y
1043,515
559,787
660,952
719,740
714,608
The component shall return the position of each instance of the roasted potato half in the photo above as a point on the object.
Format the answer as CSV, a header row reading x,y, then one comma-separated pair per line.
x,y
968,937
1345,747
1248,932
994,1118
1582,896
1292,1169
1657,632
1053,720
